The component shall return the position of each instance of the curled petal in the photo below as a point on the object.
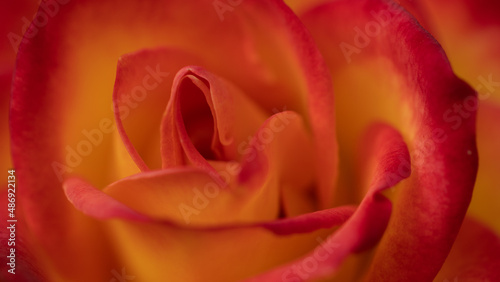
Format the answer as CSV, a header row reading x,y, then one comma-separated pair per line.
x,y
206,118
384,47
141,92
367,225
98,204
228,192
167,240
93,202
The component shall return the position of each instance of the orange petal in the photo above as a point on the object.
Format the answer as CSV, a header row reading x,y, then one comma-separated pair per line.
x,y
162,254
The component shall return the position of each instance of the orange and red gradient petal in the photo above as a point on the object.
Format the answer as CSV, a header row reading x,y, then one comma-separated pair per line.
x,y
168,240
96,203
385,66
364,229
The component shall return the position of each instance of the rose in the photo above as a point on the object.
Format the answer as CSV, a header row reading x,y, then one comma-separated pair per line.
x,y
384,161
94,135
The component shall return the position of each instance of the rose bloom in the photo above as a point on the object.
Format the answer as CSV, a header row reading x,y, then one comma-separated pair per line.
x,y
230,140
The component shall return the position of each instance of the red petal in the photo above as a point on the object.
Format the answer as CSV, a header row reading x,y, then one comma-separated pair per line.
x,y
15,18
310,222
93,202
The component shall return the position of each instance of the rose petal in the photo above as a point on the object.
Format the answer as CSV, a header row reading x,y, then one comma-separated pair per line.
x,y
167,240
167,251
365,228
142,89
399,66
474,256
192,196
93,202
474,25
98,204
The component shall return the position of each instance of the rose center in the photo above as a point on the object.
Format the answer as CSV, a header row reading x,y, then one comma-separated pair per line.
x,y
198,120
